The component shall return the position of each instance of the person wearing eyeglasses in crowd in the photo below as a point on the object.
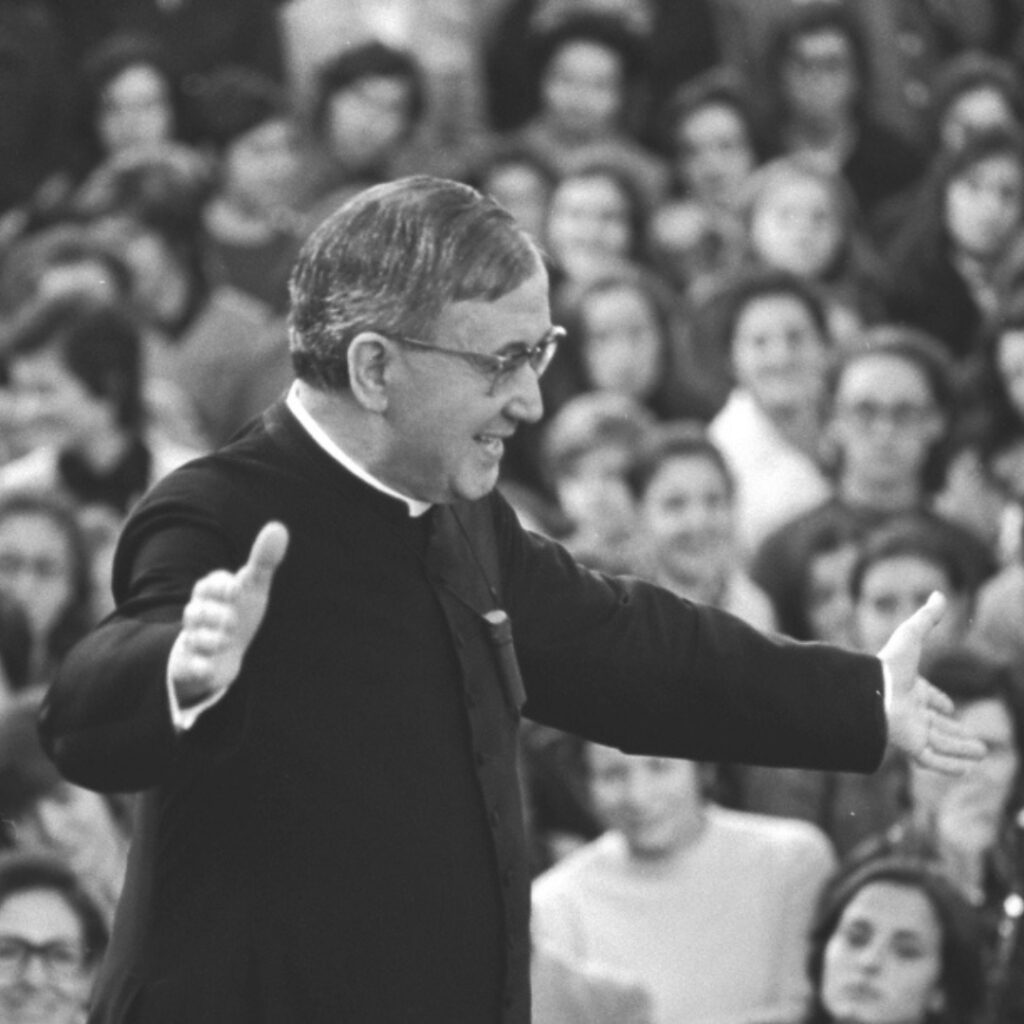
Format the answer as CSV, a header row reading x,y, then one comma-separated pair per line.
x,y
52,936
311,671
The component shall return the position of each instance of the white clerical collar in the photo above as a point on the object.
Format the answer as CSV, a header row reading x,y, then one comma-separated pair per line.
x,y
315,431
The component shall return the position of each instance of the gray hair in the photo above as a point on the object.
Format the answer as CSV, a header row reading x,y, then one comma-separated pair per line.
x,y
391,259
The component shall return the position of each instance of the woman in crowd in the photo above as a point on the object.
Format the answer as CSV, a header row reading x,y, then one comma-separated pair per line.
x,y
818,63
953,264
770,427
45,566
52,938
685,495
894,943
43,813
801,217
75,369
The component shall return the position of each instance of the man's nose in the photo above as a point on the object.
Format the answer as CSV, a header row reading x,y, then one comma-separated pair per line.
x,y
526,404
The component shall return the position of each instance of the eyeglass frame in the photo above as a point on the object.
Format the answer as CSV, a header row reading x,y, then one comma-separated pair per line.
x,y
497,366
55,970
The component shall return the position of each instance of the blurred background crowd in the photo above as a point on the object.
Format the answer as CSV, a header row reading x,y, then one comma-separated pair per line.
x,y
786,240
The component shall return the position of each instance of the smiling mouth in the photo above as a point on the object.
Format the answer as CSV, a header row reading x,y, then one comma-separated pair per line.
x,y
492,444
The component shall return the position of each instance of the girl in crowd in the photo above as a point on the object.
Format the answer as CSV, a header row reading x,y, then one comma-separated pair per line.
x,y
954,262
894,943
625,335
522,181
45,566
801,217
697,235
819,63
770,428
52,938
75,368
685,496
595,228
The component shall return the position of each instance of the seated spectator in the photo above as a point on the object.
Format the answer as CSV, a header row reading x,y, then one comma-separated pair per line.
x,y
587,450
778,345
891,410
129,99
45,567
595,229
626,335
253,231
75,369
956,260
589,67
894,943
42,813
818,67
969,825
801,218
52,939
708,908
368,102
522,181
216,355
685,495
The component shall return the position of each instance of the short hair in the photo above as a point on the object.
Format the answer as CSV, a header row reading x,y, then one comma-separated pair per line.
x,y
373,59
391,259
911,536
99,344
28,871
679,440
962,974
756,283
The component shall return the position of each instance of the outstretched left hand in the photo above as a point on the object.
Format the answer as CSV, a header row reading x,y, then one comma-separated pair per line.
x,y
921,722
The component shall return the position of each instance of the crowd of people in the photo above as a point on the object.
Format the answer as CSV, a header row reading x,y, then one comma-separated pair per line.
x,y
786,243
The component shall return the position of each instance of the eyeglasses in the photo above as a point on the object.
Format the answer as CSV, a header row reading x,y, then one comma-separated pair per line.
x,y
900,414
61,961
499,367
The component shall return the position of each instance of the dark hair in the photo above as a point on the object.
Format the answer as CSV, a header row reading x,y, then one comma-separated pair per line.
x,y
27,774
765,282
808,19
99,344
391,259
109,59
967,72
605,30
15,642
679,440
25,872
368,60
77,618
232,100
719,87
915,537
963,976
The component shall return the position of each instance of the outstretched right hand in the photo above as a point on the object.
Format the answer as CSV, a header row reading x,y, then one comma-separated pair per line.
x,y
222,617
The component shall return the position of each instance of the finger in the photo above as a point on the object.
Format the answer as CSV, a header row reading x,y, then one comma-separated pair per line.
x,y
938,701
220,585
267,553
955,745
206,642
947,764
924,620
209,615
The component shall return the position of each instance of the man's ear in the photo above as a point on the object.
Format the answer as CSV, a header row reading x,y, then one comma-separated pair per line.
x,y
369,365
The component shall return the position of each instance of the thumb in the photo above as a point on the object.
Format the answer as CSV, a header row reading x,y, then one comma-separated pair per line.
x,y
927,617
267,553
